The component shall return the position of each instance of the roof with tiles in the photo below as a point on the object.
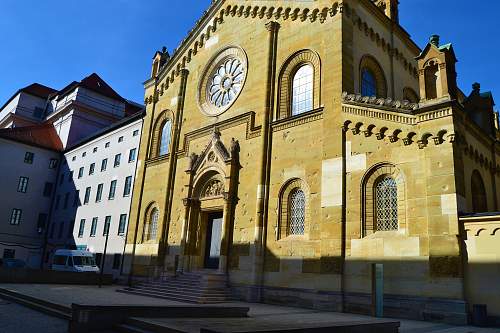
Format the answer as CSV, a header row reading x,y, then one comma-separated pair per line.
x,y
43,136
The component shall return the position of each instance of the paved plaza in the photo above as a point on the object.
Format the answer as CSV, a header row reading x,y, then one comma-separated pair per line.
x,y
260,315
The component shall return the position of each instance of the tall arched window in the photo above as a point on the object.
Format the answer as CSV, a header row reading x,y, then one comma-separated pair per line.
x,y
153,225
368,83
297,206
479,200
165,138
431,78
386,204
302,90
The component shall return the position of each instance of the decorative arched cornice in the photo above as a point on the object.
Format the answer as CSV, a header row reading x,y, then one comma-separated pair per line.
x,y
162,118
410,95
283,216
368,183
287,72
370,63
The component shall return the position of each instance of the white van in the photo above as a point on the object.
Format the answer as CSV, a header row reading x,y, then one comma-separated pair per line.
x,y
74,261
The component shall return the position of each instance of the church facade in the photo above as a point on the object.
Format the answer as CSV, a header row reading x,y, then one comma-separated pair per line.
x,y
292,145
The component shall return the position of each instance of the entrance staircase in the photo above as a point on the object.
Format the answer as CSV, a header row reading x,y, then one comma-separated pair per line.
x,y
192,287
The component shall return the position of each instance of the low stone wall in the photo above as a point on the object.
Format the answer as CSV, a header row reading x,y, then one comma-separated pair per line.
x,y
482,271
24,275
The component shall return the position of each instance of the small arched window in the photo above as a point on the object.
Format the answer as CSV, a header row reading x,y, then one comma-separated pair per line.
x,y
165,138
410,95
368,83
431,81
479,203
386,204
152,229
302,90
297,206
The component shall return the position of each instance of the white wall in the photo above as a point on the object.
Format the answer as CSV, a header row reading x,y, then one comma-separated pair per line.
x,y
114,208
24,238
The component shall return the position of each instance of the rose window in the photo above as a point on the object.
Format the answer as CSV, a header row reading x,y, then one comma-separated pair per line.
x,y
226,83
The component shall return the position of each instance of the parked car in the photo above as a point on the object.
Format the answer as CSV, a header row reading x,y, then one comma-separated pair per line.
x,y
74,261
12,263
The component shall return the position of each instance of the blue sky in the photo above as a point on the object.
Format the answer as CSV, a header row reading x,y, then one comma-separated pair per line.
x,y
54,42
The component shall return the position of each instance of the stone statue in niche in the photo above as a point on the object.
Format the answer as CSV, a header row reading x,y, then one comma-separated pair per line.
x,y
213,188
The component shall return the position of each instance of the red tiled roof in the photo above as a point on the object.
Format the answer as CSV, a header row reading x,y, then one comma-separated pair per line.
x,y
44,136
92,82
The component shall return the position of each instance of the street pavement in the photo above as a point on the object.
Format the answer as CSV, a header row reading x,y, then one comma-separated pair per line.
x,y
15,318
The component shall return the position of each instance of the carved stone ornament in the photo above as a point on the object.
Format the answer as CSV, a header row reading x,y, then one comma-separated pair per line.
x,y
213,188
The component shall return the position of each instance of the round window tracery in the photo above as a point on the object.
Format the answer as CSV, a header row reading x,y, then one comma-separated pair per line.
x,y
222,81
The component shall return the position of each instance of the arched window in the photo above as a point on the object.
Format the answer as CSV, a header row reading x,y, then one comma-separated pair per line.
x,y
479,200
165,138
302,90
153,225
431,78
297,207
368,83
386,204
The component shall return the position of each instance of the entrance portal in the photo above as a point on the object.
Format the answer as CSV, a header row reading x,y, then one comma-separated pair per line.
x,y
213,242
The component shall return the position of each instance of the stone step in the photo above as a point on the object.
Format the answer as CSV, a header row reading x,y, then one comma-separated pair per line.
x,y
126,328
180,294
194,291
178,298
174,284
49,308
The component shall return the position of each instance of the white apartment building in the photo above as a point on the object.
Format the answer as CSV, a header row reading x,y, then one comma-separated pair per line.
x,y
86,122
29,160
94,191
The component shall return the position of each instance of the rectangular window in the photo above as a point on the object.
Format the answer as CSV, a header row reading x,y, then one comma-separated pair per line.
x,y
22,186
93,227
112,190
73,158
128,186
15,217
61,178
40,225
104,164
70,177
87,196
120,139
117,259
29,157
92,169
52,163
135,133
81,229
131,155
84,154
9,254
95,150
58,200
117,160
71,227
61,230
107,224
47,189
122,225
66,200
76,199
98,196
106,145
80,173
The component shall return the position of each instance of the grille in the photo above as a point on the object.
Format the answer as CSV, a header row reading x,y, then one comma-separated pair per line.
x,y
297,212
386,204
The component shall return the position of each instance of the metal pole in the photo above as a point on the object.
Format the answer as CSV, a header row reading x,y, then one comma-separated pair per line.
x,y
103,261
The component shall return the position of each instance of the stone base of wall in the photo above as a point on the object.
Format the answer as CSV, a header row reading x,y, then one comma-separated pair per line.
x,y
448,311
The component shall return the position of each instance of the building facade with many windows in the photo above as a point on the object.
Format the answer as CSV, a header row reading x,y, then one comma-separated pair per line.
x,y
94,191
290,145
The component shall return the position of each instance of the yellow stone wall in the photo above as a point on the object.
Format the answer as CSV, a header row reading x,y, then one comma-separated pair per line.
x,y
422,258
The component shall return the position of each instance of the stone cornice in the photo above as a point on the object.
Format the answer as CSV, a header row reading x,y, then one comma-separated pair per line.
x,y
298,120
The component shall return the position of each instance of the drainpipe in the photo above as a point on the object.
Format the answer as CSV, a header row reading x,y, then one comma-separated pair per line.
x,y
344,216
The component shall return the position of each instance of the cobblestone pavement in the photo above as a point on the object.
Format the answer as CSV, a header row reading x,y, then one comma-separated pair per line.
x,y
15,318
67,294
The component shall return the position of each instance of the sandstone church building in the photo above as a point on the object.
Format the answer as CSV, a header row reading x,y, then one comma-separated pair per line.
x,y
290,145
